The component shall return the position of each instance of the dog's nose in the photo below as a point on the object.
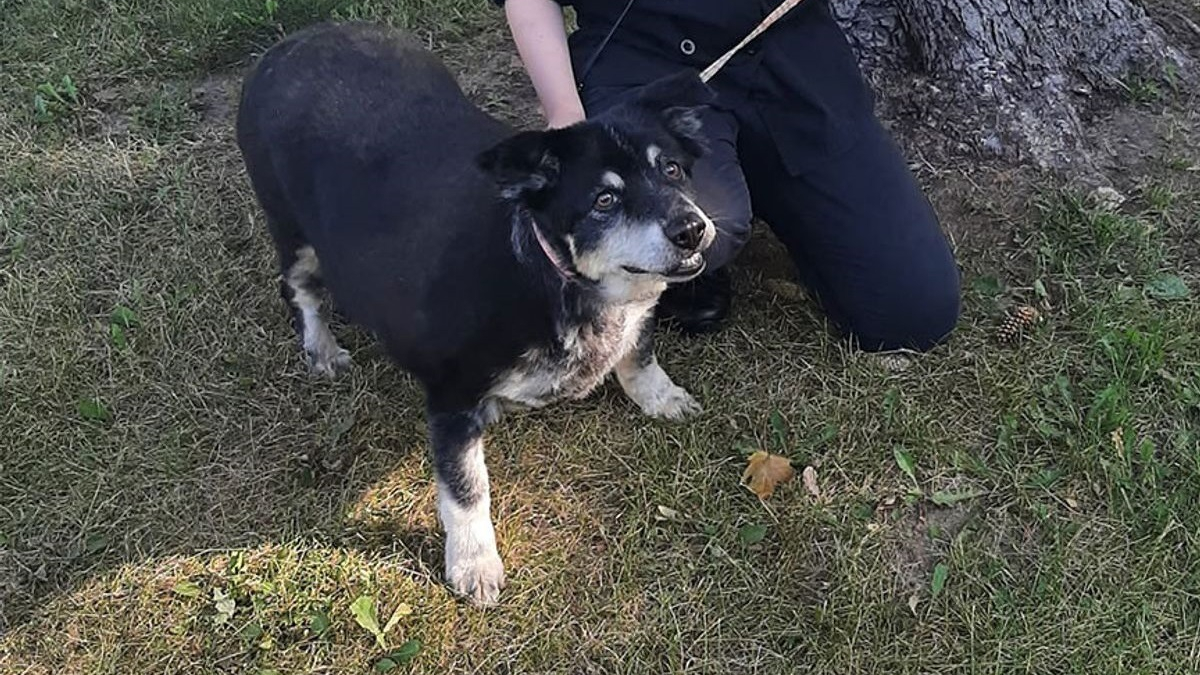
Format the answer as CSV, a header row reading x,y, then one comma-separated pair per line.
x,y
686,232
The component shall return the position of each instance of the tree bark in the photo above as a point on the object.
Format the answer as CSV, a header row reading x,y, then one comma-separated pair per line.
x,y
1010,77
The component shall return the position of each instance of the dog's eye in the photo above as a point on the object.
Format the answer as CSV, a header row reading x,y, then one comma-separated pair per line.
x,y
605,201
673,170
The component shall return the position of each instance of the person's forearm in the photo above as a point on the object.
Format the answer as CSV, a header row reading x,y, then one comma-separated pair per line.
x,y
541,40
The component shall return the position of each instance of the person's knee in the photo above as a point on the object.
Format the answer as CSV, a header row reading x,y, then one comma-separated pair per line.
x,y
919,311
933,320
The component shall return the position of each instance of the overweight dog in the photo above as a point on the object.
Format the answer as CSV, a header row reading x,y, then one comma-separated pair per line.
x,y
497,267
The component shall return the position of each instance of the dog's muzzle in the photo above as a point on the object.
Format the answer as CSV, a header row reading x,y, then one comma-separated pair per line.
x,y
688,268
686,232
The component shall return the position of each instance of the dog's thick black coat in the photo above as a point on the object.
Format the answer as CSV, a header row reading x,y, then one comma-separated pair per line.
x,y
492,265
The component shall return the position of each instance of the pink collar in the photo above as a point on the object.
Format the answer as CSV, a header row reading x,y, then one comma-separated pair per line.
x,y
559,266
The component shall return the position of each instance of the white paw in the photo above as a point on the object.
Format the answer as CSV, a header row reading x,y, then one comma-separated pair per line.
x,y
652,390
671,402
478,579
328,362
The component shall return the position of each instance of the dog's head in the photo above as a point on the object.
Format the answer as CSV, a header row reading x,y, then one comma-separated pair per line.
x,y
611,198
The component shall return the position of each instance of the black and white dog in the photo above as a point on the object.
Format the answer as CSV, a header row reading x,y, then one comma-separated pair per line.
x,y
497,267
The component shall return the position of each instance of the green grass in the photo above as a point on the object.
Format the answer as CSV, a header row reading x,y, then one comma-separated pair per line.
x,y
177,495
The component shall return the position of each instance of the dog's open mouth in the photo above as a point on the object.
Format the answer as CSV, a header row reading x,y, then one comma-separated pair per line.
x,y
688,268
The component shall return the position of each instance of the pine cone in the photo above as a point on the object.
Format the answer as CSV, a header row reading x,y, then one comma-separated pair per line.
x,y
1019,320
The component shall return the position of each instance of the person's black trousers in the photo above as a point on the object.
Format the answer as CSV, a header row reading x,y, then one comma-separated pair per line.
x,y
863,236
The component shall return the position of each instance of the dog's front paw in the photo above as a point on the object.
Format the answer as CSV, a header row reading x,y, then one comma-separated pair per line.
x,y
478,579
654,392
328,361
670,403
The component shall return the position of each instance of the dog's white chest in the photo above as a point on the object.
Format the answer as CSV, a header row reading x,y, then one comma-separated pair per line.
x,y
578,364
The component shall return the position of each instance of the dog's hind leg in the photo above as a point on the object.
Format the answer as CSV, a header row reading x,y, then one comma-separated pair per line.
x,y
300,284
473,565
301,288
648,385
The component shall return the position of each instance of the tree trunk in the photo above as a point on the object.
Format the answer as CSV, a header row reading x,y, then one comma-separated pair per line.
x,y
1010,77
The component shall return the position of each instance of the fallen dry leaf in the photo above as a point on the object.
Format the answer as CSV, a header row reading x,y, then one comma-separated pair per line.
x,y
765,471
809,476
1108,198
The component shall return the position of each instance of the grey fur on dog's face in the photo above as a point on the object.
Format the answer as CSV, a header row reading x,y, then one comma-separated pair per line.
x,y
611,197
634,202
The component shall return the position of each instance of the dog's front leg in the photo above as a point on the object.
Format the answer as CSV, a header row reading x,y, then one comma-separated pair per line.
x,y
473,565
648,385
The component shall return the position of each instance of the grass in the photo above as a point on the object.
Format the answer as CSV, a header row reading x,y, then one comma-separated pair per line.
x,y
176,495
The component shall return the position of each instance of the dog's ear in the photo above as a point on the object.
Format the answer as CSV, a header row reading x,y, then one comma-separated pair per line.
x,y
678,100
521,165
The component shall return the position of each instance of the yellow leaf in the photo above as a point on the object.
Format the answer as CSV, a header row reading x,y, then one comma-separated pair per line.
x,y
765,471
